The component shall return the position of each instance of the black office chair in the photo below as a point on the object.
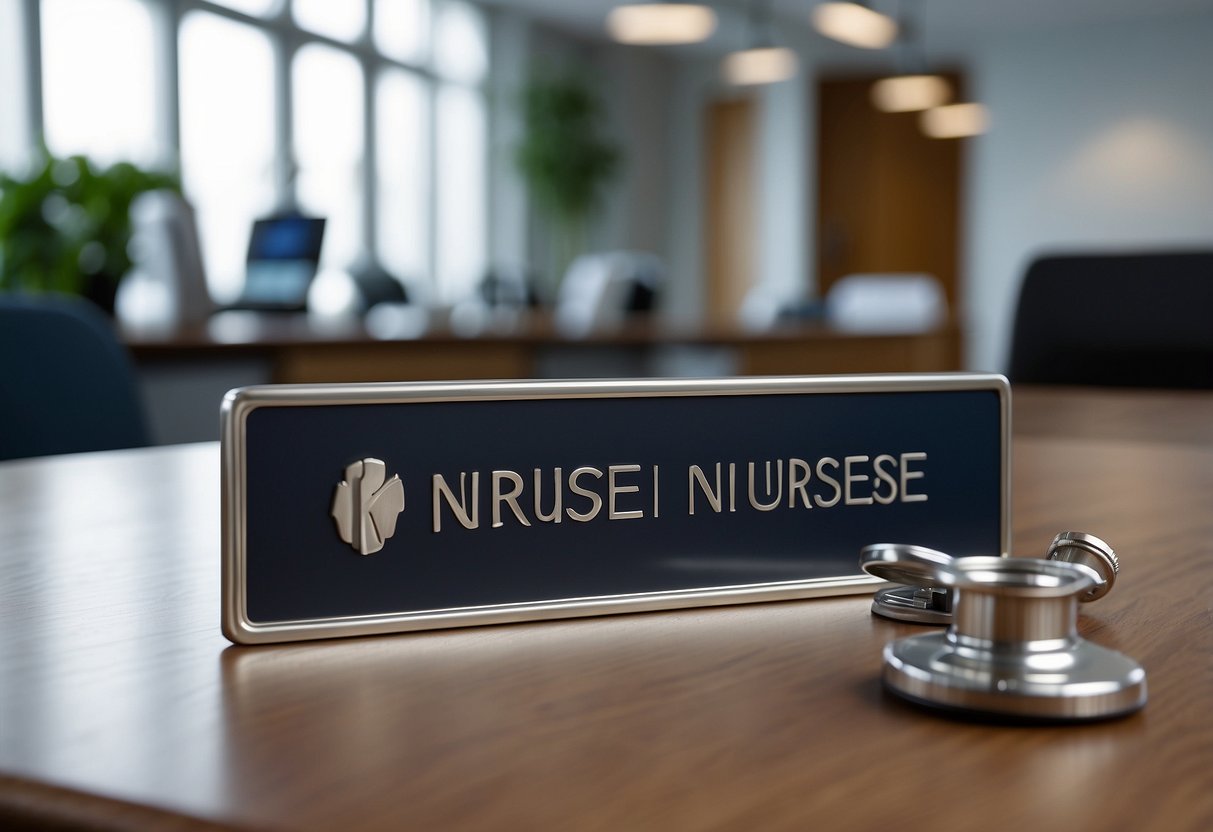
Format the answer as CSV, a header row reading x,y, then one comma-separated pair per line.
x,y
1116,320
66,384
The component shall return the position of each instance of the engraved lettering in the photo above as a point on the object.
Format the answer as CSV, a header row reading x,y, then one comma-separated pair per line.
x,y
613,489
779,488
656,493
595,500
458,507
696,473
852,480
555,516
883,476
510,497
824,477
907,474
850,476
797,483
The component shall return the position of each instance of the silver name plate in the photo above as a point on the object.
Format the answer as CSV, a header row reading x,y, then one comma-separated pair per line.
x,y
355,509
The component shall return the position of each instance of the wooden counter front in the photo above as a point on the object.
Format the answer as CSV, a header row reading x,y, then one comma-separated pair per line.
x,y
302,349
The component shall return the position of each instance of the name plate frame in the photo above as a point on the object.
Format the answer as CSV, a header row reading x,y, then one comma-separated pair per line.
x,y
239,627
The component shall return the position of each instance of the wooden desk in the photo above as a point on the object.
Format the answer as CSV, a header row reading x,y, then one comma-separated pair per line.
x,y
298,349
121,704
185,372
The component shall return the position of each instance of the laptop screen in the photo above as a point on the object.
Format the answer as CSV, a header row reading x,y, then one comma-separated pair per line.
x,y
283,254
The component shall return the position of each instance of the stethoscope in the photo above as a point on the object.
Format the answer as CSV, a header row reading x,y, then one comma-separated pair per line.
x,y
1011,647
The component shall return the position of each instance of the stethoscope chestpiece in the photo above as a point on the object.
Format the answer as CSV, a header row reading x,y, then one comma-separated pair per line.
x,y
925,601
1089,551
1012,648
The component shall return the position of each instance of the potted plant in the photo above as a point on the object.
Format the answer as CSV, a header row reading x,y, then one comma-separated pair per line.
x,y
65,225
564,159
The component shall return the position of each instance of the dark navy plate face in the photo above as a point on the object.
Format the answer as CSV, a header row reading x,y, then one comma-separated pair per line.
x,y
831,473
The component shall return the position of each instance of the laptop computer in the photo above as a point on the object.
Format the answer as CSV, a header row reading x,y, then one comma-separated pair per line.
x,y
283,255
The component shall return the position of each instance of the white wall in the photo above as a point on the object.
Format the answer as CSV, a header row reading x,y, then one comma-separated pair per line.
x,y
783,173
1101,139
685,297
634,87
786,168
636,91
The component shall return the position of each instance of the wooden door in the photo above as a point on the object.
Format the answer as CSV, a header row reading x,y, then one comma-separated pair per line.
x,y
730,206
888,196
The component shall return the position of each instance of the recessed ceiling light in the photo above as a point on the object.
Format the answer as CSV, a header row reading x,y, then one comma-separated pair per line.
x,y
955,121
855,25
907,93
659,24
762,65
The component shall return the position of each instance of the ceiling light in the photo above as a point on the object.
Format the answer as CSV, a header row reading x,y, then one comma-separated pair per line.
x,y
855,25
907,93
955,121
763,65
657,24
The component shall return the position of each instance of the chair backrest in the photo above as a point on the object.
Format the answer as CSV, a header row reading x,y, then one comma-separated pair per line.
x,y
886,303
66,384
1121,320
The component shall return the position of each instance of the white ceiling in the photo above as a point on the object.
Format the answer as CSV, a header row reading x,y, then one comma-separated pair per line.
x,y
944,24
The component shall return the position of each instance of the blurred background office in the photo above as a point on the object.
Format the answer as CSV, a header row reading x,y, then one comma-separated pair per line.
x,y
724,168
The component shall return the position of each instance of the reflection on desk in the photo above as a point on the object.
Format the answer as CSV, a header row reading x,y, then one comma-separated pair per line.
x,y
116,683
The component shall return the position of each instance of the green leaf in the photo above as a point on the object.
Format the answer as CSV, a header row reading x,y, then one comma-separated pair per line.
x,y
89,206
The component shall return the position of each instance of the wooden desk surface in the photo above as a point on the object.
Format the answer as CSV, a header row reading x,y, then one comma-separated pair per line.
x,y
122,706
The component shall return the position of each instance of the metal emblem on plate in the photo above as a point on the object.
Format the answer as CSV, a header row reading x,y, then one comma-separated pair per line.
x,y
366,505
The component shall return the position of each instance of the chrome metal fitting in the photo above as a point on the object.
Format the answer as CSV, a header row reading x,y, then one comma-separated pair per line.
x,y
920,601
1012,648
1087,550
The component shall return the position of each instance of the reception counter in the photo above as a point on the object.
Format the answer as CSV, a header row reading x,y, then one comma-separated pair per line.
x,y
298,348
186,370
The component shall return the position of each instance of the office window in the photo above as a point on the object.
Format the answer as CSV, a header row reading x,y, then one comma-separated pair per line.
x,y
462,183
13,129
461,51
98,71
402,29
341,20
227,138
243,151
257,8
461,59
403,184
327,136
